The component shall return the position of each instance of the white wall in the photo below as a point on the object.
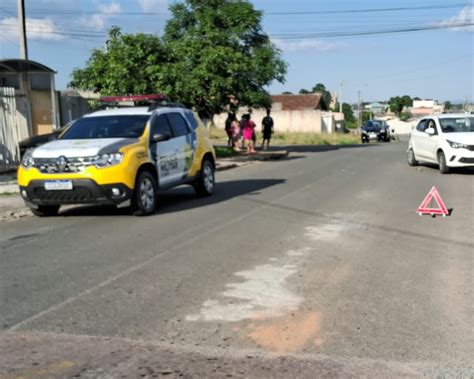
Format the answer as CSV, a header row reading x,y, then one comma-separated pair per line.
x,y
401,127
285,121
424,103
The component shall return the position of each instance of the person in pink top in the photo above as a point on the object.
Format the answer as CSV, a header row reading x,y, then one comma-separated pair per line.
x,y
235,130
248,127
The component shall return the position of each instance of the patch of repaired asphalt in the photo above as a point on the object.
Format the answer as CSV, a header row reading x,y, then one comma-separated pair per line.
x,y
261,305
262,294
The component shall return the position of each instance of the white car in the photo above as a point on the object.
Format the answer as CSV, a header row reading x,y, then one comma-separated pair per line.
x,y
446,140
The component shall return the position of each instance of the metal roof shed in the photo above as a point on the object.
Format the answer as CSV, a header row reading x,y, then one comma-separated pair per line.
x,y
35,81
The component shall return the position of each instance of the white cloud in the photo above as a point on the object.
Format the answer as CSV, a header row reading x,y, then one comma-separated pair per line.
x,y
305,45
112,8
153,5
98,20
36,29
465,16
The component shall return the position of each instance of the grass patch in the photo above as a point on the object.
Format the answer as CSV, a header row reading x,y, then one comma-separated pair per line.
x,y
220,136
224,152
9,193
314,139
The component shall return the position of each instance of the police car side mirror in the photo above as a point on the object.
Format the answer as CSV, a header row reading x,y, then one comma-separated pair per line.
x,y
159,137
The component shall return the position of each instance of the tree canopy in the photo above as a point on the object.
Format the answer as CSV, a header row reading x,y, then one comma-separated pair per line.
x,y
218,48
397,103
211,50
326,95
321,89
128,64
347,111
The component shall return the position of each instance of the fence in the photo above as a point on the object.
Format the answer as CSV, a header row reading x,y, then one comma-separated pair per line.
x,y
15,125
72,106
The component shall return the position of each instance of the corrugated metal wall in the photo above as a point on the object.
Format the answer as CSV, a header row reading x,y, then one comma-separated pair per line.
x,y
72,107
15,125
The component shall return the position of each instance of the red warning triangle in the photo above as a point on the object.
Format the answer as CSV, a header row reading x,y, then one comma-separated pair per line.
x,y
433,195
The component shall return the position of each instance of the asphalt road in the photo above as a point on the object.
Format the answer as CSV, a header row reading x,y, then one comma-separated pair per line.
x,y
314,266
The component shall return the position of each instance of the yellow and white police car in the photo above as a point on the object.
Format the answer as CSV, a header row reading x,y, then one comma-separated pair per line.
x,y
120,156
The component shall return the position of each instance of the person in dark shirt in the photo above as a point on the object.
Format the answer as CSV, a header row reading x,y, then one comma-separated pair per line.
x,y
267,129
228,128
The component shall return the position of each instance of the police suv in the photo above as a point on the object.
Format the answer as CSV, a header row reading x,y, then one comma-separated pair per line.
x,y
122,156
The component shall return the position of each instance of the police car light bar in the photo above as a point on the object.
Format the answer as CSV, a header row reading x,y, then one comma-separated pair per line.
x,y
115,99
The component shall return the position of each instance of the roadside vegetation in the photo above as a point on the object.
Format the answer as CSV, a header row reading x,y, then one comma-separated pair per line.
x,y
224,152
280,139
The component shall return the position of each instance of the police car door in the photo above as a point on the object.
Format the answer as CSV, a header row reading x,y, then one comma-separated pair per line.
x,y
164,152
184,147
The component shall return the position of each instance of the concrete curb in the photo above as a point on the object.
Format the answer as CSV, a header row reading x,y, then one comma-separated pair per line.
x,y
9,187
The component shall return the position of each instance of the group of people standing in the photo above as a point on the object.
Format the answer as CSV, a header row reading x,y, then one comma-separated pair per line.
x,y
245,130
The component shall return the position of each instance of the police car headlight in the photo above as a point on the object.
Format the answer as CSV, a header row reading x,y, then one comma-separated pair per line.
x,y
457,145
28,161
106,160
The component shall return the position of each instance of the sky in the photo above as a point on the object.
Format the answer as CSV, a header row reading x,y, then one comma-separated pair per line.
x,y
324,41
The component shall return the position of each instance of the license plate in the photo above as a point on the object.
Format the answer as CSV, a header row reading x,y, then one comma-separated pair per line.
x,y
57,185
372,134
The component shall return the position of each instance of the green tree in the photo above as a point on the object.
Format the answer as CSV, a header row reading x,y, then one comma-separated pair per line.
x,y
447,105
366,116
128,64
304,91
326,95
398,103
347,111
287,93
218,48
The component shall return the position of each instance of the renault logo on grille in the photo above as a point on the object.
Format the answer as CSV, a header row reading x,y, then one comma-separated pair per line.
x,y
61,163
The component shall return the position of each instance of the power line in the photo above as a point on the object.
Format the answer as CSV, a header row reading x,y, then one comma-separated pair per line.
x,y
372,10
370,33
323,35
287,13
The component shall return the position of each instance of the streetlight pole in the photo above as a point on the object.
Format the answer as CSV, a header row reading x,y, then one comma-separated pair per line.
x,y
360,110
22,29
342,94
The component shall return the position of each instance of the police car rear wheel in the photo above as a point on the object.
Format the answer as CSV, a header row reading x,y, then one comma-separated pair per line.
x,y
204,186
144,201
46,210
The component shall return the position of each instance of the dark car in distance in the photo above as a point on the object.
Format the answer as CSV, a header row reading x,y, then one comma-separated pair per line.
x,y
36,141
375,130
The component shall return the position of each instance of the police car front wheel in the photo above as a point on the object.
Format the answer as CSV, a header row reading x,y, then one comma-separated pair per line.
x,y
144,199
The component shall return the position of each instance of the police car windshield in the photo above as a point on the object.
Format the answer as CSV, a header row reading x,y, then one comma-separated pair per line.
x,y
124,126
457,125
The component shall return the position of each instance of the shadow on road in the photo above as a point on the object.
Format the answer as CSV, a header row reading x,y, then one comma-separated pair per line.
x,y
183,198
455,170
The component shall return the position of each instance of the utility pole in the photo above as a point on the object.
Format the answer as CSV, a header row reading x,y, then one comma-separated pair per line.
x,y
22,27
342,94
360,111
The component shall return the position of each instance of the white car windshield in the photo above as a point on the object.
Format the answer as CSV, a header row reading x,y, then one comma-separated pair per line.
x,y
457,125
